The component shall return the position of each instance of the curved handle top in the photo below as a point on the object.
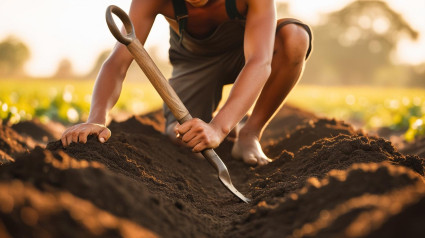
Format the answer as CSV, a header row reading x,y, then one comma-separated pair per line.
x,y
129,28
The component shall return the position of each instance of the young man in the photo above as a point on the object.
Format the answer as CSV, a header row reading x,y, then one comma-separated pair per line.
x,y
213,43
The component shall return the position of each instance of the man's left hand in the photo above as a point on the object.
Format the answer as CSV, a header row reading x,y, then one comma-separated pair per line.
x,y
199,135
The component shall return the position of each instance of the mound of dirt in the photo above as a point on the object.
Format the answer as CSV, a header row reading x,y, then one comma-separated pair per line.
x,y
285,121
112,192
5,158
29,212
305,135
12,144
346,203
335,182
289,172
38,131
417,147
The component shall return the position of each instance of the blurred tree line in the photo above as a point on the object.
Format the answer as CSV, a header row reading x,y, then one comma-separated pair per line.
x,y
356,46
13,55
352,46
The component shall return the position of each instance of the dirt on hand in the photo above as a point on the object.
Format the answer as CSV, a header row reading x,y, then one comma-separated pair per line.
x,y
326,180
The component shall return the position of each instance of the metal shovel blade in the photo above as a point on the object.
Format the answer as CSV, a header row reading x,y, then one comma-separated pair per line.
x,y
225,179
223,173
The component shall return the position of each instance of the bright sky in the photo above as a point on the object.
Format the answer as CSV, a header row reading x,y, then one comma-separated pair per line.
x,y
57,29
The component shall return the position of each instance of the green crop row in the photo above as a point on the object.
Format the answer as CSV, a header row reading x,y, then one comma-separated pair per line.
x,y
395,108
69,102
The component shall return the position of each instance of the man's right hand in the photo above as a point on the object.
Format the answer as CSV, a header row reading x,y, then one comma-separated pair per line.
x,y
79,133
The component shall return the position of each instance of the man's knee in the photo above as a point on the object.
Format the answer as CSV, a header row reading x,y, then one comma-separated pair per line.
x,y
293,41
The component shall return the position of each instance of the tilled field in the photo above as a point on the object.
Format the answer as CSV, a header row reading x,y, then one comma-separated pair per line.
x,y
326,180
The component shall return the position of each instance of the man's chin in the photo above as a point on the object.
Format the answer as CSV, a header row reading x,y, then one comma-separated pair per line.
x,y
197,3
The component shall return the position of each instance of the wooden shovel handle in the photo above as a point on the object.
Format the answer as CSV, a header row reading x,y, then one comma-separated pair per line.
x,y
146,63
169,96
155,76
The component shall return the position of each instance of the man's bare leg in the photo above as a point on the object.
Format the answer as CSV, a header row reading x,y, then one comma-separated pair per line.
x,y
291,45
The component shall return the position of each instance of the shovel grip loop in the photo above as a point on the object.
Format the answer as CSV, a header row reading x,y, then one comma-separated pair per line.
x,y
129,28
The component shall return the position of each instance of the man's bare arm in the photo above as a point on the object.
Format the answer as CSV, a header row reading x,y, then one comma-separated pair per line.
x,y
110,78
258,49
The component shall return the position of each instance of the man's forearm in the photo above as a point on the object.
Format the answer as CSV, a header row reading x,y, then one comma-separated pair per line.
x,y
258,51
243,95
105,94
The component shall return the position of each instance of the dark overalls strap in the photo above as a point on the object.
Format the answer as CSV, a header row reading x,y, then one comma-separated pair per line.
x,y
232,10
180,11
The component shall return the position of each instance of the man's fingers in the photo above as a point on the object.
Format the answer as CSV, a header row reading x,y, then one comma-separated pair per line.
x,y
82,137
68,139
188,137
195,141
68,136
66,131
199,147
189,125
86,131
182,129
79,133
175,128
65,134
63,140
104,135
75,134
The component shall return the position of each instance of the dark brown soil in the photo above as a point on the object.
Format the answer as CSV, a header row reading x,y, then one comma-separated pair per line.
x,y
338,205
326,180
39,131
416,147
306,134
12,144
286,121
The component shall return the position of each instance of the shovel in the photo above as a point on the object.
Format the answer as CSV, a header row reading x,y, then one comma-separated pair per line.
x,y
161,85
